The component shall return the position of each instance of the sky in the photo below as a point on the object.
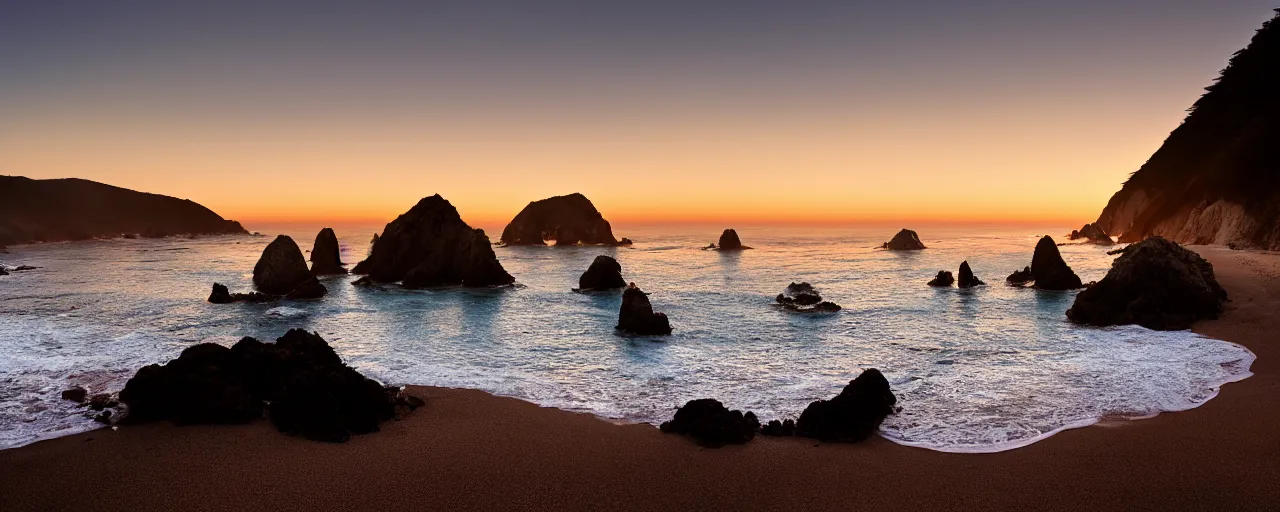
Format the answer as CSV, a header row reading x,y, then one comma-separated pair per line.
x,y
659,111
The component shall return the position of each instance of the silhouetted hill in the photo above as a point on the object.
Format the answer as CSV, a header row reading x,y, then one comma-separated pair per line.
x,y
76,209
1215,178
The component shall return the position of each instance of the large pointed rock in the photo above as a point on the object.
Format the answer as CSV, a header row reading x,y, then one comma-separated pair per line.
x,y
281,269
1155,283
1048,269
967,279
325,256
636,315
604,274
854,414
430,246
905,240
568,220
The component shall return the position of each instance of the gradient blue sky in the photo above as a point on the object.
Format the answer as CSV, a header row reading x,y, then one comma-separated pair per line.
x,y
744,110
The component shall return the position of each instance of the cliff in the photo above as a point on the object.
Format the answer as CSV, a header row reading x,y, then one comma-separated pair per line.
x,y
76,209
1214,180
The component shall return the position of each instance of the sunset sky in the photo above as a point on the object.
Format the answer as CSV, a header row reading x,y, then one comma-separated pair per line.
x,y
787,111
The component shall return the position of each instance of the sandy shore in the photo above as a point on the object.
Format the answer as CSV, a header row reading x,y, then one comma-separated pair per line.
x,y
471,450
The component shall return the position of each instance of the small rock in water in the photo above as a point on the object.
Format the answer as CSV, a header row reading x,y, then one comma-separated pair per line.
x,y
637,316
76,394
804,298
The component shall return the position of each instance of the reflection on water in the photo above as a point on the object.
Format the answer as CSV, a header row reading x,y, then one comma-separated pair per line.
x,y
977,370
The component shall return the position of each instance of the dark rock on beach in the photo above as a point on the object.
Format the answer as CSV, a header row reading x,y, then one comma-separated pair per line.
x,y
299,381
854,414
221,295
804,298
325,255
604,274
711,424
943,279
636,315
431,246
567,220
1049,271
905,240
967,279
779,428
1155,283
281,270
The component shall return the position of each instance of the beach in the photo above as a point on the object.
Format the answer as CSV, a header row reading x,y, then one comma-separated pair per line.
x,y
471,450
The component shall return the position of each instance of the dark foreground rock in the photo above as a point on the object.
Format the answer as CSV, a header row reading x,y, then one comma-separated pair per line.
x,y
298,381
568,220
636,315
221,295
281,270
712,424
604,274
943,279
729,241
804,298
854,414
431,246
905,240
1155,283
326,258
967,279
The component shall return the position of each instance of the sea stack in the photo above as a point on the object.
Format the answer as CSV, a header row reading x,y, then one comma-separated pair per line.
x,y
854,414
729,241
1155,283
1048,269
567,220
283,271
637,317
711,424
604,274
944,279
325,256
905,240
967,279
431,246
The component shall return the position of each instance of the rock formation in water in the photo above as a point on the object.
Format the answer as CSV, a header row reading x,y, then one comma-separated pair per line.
x,y
711,424
729,241
75,209
1155,283
905,240
325,255
967,279
854,414
283,271
298,380
431,246
1214,179
1020,277
1092,233
568,220
943,279
804,298
604,274
221,295
636,315
1049,271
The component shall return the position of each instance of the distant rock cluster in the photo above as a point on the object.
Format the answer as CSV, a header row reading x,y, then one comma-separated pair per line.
x,y
905,240
728,241
431,246
1093,233
804,298
945,278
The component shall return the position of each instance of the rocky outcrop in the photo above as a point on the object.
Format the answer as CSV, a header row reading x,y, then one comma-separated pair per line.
x,y
854,414
221,295
943,279
325,255
568,220
779,428
281,270
431,246
711,424
75,209
1155,283
298,381
604,274
1020,277
905,240
1092,233
729,241
804,298
1048,271
967,279
637,317
1214,179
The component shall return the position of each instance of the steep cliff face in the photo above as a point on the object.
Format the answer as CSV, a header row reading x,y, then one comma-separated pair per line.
x,y
1216,179
75,209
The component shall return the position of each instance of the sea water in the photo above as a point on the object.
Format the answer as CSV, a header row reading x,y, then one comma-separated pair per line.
x,y
977,370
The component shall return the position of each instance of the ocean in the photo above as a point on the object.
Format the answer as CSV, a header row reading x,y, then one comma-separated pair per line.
x,y
977,370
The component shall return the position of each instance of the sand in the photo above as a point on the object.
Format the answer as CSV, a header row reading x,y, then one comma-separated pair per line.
x,y
471,450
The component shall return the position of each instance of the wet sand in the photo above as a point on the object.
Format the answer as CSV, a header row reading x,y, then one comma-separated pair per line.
x,y
471,450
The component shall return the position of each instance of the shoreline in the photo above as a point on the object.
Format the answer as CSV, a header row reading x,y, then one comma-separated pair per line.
x,y
470,449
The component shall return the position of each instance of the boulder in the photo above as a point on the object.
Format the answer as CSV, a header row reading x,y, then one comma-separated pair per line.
x,y
967,279
75,394
729,241
711,424
943,279
804,298
1020,277
604,274
325,255
298,381
221,295
431,246
568,220
1155,283
1049,271
779,428
851,416
281,269
636,315
905,240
